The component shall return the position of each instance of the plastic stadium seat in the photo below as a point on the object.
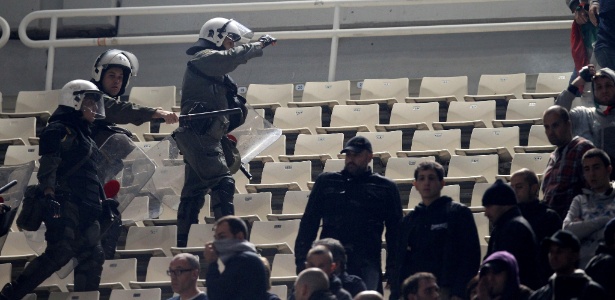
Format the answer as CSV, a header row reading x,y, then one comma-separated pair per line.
x,y
401,169
537,141
453,191
279,235
54,283
295,120
92,295
39,104
283,175
5,273
280,290
149,241
417,116
468,114
324,94
21,154
293,206
482,225
524,111
476,203
17,131
503,86
352,119
439,143
138,294
479,168
549,85
16,249
536,162
136,211
197,237
155,96
384,144
269,96
116,274
272,152
385,91
156,274
138,131
164,131
441,89
316,147
252,207
283,269
500,141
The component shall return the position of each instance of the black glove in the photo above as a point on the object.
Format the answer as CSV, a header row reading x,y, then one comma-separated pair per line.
x,y
587,73
52,205
267,40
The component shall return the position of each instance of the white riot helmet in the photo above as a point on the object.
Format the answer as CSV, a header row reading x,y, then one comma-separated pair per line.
x,y
125,60
217,29
80,95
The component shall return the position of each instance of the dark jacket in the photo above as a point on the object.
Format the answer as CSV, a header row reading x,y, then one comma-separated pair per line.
x,y
353,210
271,296
335,286
545,222
244,278
601,268
441,239
322,295
576,286
199,297
353,284
512,233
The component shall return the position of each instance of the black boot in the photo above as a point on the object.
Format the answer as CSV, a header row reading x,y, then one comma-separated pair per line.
x,y
222,198
7,292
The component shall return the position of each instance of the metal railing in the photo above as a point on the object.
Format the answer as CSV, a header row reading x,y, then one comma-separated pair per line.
x,y
6,32
334,34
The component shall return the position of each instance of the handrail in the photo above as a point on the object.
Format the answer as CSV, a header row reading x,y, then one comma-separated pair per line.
x,y
6,32
334,34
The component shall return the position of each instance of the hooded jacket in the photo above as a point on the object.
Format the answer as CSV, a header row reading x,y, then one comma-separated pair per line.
x,y
601,268
575,286
587,216
514,290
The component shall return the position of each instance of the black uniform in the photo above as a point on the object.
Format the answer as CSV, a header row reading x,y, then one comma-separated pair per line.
x,y
67,149
353,210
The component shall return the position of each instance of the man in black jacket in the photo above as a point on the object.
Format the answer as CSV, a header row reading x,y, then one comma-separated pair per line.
x,y
511,232
601,268
354,206
544,221
439,237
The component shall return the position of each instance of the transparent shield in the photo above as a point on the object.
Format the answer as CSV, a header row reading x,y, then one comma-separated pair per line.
x,y
14,195
255,135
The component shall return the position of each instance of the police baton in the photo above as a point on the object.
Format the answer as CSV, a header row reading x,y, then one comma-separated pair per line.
x,y
8,186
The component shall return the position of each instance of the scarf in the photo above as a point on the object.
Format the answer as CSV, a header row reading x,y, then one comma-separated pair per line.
x,y
227,248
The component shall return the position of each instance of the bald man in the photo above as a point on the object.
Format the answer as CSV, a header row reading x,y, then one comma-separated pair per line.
x,y
312,284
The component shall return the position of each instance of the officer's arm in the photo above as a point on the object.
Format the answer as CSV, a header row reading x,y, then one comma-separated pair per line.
x,y
123,112
50,150
308,227
392,224
218,63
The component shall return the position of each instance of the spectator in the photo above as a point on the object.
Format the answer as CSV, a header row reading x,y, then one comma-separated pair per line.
x,y
597,123
439,237
421,286
563,177
312,284
270,296
601,268
591,210
368,295
184,270
244,275
568,282
351,283
511,231
354,205
499,279
602,14
320,257
472,288
582,35
544,221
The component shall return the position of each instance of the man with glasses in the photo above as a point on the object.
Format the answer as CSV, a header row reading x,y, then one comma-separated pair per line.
x,y
184,271
244,276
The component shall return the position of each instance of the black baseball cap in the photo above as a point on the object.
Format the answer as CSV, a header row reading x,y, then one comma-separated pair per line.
x,y
564,239
357,144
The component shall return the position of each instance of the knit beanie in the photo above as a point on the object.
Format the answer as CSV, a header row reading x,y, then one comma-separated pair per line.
x,y
499,193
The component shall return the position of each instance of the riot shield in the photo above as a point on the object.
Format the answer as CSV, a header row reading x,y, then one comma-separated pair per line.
x,y
13,193
255,135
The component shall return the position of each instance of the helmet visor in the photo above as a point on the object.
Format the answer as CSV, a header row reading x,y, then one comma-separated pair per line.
x,y
91,101
239,33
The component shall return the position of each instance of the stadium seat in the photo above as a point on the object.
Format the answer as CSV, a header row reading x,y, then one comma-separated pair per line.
x,y
549,85
401,169
138,131
116,274
269,96
316,147
17,131
537,141
500,141
324,94
417,116
16,249
5,273
92,295
280,290
499,87
536,162
384,144
241,180
156,274
524,111
468,114
352,119
296,120
136,211
252,207
384,91
278,235
138,294
197,237
479,168
149,241
283,269
283,175
476,202
482,224
21,154
439,143
453,191
155,96
164,131
441,89
293,206
271,153
40,104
